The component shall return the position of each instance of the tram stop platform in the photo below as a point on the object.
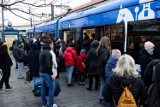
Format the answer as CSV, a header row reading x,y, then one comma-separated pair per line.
x,y
21,95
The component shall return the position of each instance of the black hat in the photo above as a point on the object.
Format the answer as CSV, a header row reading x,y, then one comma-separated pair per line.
x,y
48,41
19,42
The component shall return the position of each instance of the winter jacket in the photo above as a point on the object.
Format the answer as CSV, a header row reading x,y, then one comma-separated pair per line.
x,y
145,59
113,89
92,59
109,66
19,54
33,59
103,55
45,60
5,60
80,60
70,56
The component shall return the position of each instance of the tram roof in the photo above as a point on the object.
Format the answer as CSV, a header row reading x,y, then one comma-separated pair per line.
x,y
104,8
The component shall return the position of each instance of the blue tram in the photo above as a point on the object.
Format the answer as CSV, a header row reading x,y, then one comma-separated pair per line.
x,y
128,24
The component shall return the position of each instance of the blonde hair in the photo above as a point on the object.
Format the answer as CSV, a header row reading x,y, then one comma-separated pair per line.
x,y
105,43
126,67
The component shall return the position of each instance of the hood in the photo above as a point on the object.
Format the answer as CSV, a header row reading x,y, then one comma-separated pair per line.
x,y
112,60
46,47
125,81
83,55
94,44
35,46
69,49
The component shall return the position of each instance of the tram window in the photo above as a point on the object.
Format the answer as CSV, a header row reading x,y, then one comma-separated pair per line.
x,y
115,32
90,33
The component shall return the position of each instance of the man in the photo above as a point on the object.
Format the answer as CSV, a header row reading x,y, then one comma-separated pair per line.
x,y
47,75
20,56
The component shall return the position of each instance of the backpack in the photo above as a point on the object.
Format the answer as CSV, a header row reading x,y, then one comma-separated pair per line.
x,y
126,99
57,89
153,99
148,72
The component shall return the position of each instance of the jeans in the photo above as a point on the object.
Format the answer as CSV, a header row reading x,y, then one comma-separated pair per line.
x,y
20,69
69,74
103,82
47,82
35,80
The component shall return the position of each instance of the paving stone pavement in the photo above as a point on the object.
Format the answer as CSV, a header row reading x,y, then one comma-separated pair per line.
x,y
21,94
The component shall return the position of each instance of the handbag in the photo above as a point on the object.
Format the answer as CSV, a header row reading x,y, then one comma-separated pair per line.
x,y
28,77
57,89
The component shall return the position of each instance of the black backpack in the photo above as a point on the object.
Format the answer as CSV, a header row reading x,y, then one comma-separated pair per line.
x,y
149,71
153,90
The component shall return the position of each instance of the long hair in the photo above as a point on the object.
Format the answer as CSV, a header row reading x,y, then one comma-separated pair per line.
x,y
105,43
126,67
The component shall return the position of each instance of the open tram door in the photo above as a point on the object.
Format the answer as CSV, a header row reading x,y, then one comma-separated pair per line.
x,y
87,37
66,36
116,34
138,33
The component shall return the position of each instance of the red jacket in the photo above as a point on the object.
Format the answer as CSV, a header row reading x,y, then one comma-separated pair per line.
x,y
80,60
70,56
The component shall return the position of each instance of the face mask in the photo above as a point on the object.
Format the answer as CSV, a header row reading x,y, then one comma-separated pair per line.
x,y
150,52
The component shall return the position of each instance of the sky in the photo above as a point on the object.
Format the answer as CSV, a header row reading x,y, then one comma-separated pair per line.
x,y
8,16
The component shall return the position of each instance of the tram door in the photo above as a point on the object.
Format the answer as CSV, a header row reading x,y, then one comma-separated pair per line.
x,y
88,35
66,37
116,35
138,33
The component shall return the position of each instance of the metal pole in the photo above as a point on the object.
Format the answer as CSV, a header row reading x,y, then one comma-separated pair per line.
x,y
31,21
52,12
61,6
125,40
3,38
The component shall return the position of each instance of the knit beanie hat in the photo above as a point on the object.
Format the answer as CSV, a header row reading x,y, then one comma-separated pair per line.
x,y
116,53
19,42
83,51
148,45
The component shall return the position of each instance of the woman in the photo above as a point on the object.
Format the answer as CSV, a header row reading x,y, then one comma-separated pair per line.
x,y
125,75
103,52
33,63
92,61
146,56
70,57
5,66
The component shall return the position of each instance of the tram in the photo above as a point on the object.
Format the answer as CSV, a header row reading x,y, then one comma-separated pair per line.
x,y
128,24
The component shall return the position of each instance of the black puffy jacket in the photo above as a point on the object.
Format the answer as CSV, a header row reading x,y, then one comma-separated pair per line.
x,y
113,88
92,59
103,55
5,60
19,54
145,59
45,60
33,59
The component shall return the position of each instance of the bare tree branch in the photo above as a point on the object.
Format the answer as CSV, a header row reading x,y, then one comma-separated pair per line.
x,y
17,14
29,13
16,2
41,5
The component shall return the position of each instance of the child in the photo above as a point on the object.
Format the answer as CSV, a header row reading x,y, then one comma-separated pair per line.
x,y
81,67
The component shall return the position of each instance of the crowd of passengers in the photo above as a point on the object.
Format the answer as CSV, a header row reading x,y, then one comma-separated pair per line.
x,y
97,60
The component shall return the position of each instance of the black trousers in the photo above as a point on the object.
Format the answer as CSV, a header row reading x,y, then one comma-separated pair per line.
x,y
5,78
81,76
96,76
